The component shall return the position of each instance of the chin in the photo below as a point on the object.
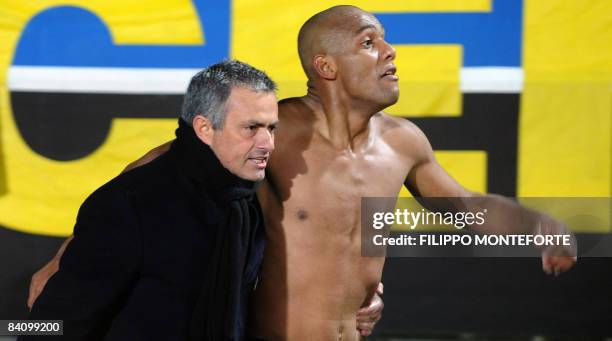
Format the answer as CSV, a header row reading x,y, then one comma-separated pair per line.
x,y
389,101
254,176
394,96
259,177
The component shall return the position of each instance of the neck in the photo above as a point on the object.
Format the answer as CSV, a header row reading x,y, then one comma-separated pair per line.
x,y
344,120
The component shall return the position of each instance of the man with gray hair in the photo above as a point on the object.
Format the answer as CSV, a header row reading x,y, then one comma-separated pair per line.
x,y
172,250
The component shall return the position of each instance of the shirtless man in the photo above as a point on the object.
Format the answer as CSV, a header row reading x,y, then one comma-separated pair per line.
x,y
333,147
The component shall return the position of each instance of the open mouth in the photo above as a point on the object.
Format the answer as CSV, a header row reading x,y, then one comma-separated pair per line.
x,y
390,73
260,162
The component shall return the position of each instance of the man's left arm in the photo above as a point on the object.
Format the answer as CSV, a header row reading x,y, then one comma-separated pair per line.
x,y
427,179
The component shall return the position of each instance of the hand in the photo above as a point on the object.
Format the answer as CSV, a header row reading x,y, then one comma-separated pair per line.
x,y
557,264
557,259
369,315
40,278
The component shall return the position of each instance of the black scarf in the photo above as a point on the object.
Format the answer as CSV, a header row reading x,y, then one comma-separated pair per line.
x,y
215,312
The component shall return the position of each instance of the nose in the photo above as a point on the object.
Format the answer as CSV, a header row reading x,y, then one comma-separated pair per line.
x,y
265,140
388,51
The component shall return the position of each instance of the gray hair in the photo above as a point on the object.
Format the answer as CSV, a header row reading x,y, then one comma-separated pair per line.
x,y
210,88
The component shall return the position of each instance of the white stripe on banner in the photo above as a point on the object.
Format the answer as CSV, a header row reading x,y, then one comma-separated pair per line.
x,y
99,80
175,81
492,79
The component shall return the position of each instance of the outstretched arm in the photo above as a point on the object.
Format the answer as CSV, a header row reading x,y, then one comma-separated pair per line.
x,y
427,179
40,278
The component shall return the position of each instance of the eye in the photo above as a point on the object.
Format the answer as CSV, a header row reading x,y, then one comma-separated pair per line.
x,y
367,43
272,128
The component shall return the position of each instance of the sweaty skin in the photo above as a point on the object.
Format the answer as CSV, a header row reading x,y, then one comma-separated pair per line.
x,y
313,278
334,147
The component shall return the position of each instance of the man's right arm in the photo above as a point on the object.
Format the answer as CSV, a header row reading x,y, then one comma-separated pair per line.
x,y
40,278
149,156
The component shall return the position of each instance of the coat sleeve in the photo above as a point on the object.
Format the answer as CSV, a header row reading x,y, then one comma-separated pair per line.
x,y
97,271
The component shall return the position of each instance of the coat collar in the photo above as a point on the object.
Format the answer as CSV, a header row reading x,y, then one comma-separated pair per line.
x,y
200,165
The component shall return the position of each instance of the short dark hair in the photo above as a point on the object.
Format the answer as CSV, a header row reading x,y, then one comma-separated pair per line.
x,y
210,88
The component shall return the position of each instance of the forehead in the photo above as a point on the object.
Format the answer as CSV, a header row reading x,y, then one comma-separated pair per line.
x,y
246,104
357,22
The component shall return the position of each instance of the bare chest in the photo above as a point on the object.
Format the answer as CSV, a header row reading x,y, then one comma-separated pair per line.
x,y
326,186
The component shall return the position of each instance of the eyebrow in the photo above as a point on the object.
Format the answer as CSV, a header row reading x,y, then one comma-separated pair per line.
x,y
259,123
365,27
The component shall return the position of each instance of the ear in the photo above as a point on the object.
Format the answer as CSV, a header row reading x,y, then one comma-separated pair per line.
x,y
325,66
203,129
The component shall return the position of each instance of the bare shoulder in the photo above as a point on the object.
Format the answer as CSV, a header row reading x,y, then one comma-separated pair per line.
x,y
292,135
396,125
295,118
289,103
292,109
402,135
